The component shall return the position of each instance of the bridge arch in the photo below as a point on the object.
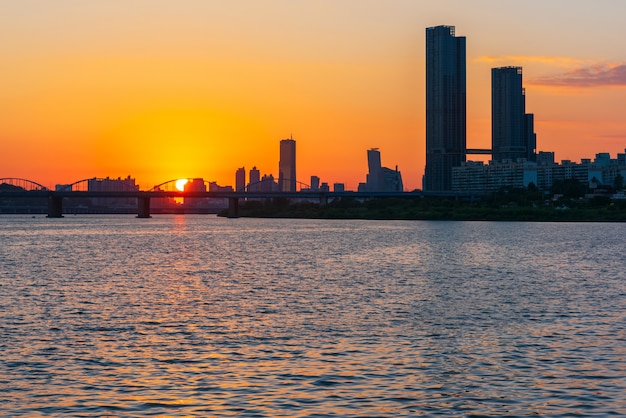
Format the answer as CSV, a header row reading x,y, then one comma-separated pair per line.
x,y
269,183
170,185
21,183
99,185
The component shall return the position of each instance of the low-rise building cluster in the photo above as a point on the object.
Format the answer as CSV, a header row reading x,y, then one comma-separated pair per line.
x,y
601,172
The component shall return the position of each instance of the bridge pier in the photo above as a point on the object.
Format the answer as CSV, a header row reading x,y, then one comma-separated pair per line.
x,y
55,207
323,199
233,207
143,207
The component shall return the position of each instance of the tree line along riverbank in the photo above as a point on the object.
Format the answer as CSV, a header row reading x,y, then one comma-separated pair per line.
x,y
528,204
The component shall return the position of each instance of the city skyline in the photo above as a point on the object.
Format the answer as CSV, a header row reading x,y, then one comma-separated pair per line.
x,y
199,88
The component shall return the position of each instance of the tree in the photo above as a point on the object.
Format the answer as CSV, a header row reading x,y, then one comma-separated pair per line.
x,y
571,188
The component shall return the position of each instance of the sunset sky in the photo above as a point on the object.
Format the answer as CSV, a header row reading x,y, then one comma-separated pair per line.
x,y
197,88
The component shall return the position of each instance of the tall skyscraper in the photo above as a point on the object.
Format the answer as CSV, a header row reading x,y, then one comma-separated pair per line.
x,y
375,178
287,166
512,129
445,106
255,178
379,178
240,180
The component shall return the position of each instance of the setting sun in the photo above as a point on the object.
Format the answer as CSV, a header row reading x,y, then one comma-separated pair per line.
x,y
180,184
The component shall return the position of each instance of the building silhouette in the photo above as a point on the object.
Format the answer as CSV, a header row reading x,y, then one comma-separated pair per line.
x,y
315,183
339,187
445,106
112,185
512,129
195,185
379,178
475,176
287,166
240,179
375,178
255,179
268,184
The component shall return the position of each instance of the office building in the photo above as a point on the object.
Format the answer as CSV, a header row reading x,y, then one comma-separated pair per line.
x,y
255,179
287,166
315,183
240,179
379,178
512,129
375,178
445,106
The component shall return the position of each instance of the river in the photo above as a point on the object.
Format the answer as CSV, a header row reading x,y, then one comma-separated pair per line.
x,y
205,316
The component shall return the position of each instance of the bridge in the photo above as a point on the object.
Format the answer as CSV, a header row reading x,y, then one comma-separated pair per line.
x,y
12,188
478,151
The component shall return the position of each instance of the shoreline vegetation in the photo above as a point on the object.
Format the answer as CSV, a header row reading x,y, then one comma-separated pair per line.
x,y
504,205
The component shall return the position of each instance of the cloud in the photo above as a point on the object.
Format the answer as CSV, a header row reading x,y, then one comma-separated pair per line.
x,y
592,76
534,59
613,136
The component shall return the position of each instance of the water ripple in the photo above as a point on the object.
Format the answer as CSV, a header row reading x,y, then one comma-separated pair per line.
x,y
203,316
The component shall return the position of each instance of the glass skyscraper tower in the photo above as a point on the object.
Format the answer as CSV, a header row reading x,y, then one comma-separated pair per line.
x,y
512,129
445,106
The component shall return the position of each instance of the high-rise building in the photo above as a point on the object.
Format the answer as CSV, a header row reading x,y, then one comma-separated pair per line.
x,y
445,106
379,178
512,129
240,179
315,183
255,179
287,166
375,178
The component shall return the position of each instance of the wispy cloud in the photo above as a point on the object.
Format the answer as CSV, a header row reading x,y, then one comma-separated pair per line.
x,y
592,76
534,59
574,73
613,136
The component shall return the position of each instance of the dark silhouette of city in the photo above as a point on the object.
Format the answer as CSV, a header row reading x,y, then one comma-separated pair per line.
x,y
515,161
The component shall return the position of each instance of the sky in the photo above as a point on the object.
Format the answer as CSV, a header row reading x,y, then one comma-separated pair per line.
x,y
161,89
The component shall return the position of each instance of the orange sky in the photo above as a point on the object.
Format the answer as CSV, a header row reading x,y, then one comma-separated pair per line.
x,y
197,88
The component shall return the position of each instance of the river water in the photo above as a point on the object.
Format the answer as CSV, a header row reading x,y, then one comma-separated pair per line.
x,y
206,316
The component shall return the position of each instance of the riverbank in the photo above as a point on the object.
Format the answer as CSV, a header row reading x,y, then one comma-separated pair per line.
x,y
437,209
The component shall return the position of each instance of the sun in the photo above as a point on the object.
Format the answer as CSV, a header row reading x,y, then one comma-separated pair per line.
x,y
180,184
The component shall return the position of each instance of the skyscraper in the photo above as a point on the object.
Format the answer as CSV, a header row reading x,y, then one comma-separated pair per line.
x,y
512,129
240,180
375,178
287,166
255,179
379,178
445,106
